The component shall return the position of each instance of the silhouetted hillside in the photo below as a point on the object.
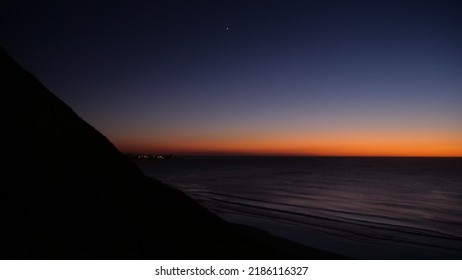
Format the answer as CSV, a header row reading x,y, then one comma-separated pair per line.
x,y
68,193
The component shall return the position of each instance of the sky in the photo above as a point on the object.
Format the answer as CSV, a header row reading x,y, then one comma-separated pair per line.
x,y
330,78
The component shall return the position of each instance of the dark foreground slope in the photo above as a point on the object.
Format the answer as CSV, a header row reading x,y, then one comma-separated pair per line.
x,y
68,193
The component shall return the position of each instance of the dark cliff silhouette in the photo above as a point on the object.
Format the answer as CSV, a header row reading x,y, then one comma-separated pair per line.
x,y
68,193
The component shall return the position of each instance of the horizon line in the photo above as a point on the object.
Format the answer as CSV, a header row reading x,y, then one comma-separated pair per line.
x,y
287,155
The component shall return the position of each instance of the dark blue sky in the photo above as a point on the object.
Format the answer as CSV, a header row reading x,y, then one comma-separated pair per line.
x,y
272,77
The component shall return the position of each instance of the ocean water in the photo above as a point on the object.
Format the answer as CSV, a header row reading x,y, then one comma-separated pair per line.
x,y
366,208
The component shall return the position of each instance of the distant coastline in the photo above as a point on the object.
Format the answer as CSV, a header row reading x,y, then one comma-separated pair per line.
x,y
231,155
153,156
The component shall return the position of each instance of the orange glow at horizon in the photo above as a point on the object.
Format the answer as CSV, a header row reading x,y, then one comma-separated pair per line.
x,y
328,145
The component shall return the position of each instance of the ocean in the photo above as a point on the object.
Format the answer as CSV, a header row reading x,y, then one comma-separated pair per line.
x,y
361,207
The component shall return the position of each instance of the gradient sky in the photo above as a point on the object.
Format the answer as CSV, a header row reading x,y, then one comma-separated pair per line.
x,y
252,77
